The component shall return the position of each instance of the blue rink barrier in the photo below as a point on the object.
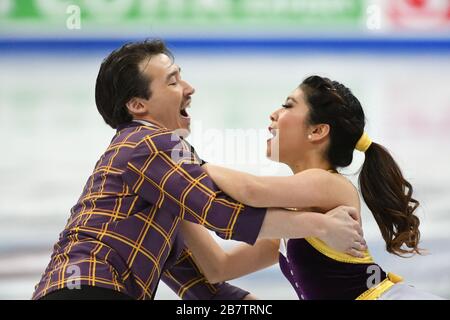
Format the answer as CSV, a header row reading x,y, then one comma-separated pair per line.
x,y
218,45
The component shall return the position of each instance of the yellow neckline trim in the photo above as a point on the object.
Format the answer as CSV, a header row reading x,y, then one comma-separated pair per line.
x,y
376,291
320,246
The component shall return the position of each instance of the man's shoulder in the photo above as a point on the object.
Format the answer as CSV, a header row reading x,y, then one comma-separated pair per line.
x,y
138,134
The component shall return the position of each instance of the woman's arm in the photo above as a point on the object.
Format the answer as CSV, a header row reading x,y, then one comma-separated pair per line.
x,y
312,188
218,265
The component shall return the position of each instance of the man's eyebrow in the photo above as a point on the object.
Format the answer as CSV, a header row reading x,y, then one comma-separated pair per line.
x,y
178,70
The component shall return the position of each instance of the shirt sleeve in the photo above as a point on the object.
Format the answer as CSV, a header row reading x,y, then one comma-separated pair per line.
x,y
163,169
187,281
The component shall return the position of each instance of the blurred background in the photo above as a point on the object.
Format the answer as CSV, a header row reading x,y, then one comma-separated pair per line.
x,y
243,57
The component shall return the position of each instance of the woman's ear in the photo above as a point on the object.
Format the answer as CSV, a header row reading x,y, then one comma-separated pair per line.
x,y
136,106
320,132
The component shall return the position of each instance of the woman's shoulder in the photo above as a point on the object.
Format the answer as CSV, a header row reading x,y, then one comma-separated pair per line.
x,y
338,184
331,175
349,190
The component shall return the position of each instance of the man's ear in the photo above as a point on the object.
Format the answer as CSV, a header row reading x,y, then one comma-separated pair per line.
x,y
320,132
136,106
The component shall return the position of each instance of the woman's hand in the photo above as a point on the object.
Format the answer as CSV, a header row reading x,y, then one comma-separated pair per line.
x,y
342,231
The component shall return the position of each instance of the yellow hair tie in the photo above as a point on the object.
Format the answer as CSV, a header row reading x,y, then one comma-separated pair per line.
x,y
363,143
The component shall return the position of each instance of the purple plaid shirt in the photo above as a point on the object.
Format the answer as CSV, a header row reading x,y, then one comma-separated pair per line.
x,y
123,232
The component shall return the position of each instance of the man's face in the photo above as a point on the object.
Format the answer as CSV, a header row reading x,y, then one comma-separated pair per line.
x,y
170,94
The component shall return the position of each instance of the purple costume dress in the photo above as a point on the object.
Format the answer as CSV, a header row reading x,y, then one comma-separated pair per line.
x,y
316,271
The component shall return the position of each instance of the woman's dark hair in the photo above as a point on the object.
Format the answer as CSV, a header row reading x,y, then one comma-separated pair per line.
x,y
383,187
120,79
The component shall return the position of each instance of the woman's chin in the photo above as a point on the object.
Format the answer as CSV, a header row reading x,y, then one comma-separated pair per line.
x,y
268,149
270,156
274,156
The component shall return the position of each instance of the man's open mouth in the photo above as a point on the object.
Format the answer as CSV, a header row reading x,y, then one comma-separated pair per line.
x,y
183,109
184,113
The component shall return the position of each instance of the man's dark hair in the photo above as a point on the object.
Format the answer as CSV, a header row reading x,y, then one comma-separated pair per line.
x,y
120,79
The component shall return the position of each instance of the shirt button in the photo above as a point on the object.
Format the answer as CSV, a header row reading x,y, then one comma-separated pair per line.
x,y
302,297
292,272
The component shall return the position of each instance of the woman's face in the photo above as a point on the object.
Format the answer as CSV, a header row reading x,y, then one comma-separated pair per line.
x,y
289,128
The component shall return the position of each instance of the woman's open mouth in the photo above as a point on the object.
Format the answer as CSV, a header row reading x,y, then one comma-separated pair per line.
x,y
273,132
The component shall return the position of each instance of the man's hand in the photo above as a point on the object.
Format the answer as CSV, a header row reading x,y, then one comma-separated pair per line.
x,y
342,231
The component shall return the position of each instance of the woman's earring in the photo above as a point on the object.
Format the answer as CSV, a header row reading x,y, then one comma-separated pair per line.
x,y
309,137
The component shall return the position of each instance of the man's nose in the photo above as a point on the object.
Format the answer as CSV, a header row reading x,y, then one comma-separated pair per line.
x,y
188,90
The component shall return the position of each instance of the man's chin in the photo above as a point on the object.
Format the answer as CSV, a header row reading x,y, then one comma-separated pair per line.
x,y
186,132
183,130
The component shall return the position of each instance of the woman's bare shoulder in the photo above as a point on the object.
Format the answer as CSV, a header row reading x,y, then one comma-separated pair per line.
x,y
339,184
349,190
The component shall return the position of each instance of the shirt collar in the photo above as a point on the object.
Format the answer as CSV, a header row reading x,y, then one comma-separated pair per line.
x,y
137,122
146,123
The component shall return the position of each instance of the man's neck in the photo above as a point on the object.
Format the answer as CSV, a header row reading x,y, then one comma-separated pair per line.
x,y
148,122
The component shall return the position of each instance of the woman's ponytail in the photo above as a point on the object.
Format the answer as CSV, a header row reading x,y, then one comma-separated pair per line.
x,y
383,187
389,196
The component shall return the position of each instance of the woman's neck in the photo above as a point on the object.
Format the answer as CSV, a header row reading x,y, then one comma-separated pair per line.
x,y
310,162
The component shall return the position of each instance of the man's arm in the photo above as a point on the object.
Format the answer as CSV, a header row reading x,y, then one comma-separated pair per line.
x,y
187,281
338,228
162,168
